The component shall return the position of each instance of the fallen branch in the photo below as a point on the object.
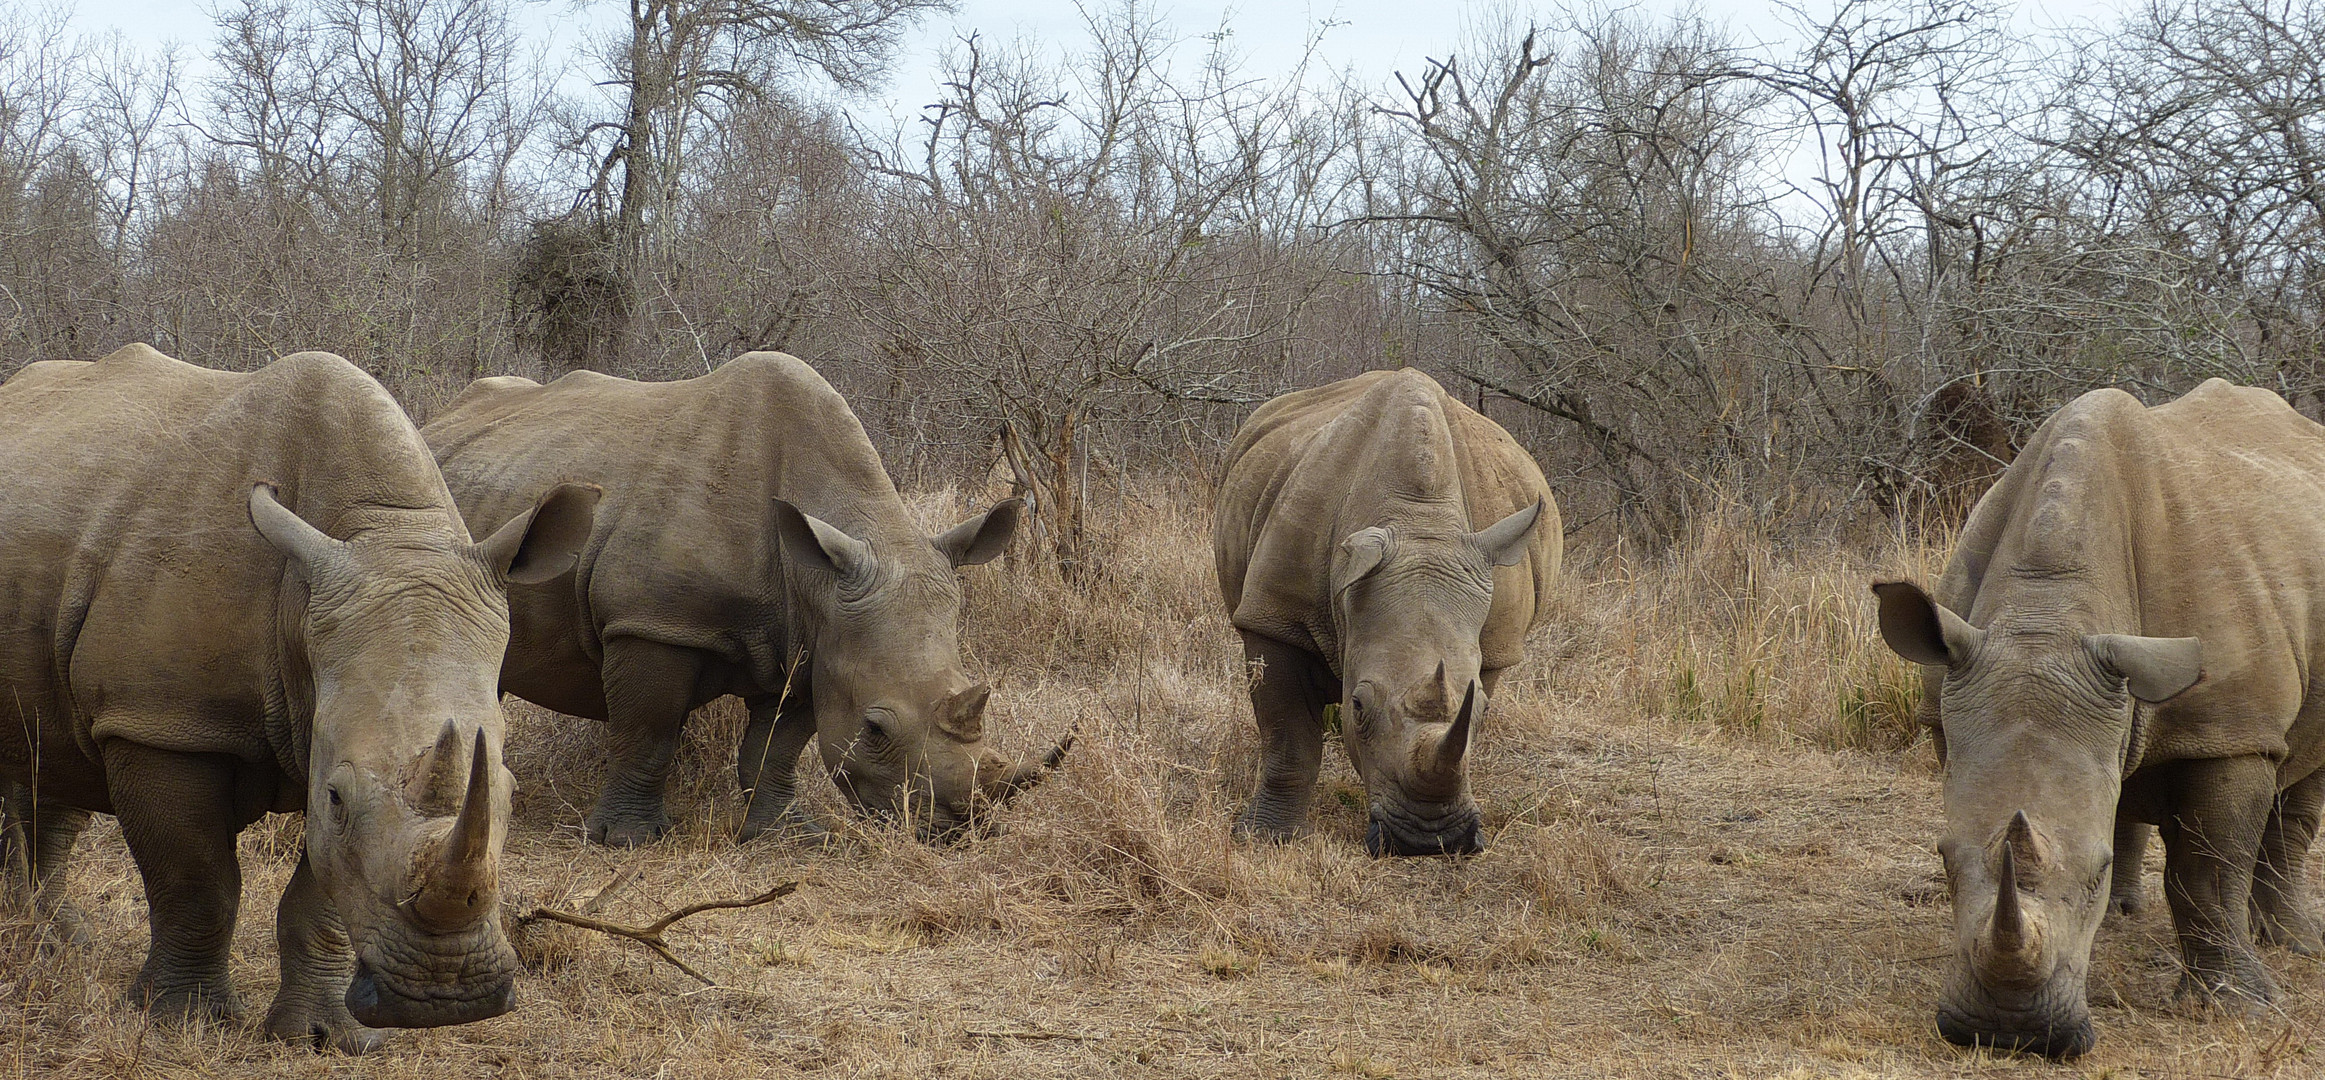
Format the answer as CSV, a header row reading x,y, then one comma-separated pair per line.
x,y
1031,1036
651,936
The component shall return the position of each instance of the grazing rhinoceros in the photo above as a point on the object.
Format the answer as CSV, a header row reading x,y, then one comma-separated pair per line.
x,y
1352,563
2127,633
750,543
224,594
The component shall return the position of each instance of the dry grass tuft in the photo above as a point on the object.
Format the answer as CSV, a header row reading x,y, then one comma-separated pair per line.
x,y
1708,826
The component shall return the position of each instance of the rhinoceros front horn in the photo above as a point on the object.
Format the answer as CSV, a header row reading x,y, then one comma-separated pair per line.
x,y
1022,776
1445,761
2009,935
460,882
2014,934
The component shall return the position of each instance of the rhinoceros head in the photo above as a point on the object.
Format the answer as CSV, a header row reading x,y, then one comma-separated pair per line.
x,y
2037,719
404,627
899,726
1410,606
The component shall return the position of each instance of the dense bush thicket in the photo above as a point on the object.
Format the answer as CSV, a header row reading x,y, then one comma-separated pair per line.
x,y
1833,281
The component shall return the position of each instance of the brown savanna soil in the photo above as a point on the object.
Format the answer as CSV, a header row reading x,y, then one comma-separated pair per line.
x,y
1709,818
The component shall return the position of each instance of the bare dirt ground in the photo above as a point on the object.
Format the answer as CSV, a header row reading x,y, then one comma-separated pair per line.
x,y
1709,823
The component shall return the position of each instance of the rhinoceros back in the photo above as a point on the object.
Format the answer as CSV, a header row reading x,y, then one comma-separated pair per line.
x,y
139,600
683,549
1313,466
2203,517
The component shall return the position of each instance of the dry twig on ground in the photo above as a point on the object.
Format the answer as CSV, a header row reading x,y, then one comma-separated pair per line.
x,y
651,936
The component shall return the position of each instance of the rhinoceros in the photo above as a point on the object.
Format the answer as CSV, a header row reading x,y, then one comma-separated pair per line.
x,y
2125,636
750,543
223,594
1350,554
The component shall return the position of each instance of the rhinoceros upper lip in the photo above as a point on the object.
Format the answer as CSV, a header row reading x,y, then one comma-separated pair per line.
x,y
2051,1036
1451,817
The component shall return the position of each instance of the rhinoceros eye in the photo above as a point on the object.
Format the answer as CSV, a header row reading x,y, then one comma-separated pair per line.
x,y
1366,709
876,739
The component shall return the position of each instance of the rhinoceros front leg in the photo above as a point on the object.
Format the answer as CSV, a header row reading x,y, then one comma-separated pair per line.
x,y
1288,696
36,843
767,767
317,966
649,689
177,812
2124,895
2211,844
2283,912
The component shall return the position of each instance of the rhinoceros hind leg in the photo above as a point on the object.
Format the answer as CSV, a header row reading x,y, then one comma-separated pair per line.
x,y
1287,701
178,814
767,769
2211,844
649,689
2283,911
36,844
2126,897
317,966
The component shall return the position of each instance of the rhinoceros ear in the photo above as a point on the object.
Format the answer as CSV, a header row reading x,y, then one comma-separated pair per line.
x,y
291,535
1504,541
814,542
2154,669
1921,629
1360,554
546,541
962,715
981,538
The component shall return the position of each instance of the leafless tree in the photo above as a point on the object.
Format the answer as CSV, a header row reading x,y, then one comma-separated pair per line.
x,y
2202,136
1078,245
425,88
680,65
1575,197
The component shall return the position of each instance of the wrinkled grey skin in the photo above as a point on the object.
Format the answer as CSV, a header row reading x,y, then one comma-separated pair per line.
x,y
2120,641
750,543
1351,559
33,849
226,594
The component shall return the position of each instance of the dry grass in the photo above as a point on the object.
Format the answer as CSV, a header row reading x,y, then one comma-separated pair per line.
x,y
1709,819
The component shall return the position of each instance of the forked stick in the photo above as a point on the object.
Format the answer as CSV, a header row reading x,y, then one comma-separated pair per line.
x,y
651,936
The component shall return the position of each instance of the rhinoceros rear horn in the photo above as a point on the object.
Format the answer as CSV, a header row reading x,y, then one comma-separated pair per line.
x,y
544,542
962,715
443,769
291,535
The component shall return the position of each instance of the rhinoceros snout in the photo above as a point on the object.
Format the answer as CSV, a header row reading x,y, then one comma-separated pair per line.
x,y
1381,840
375,1001
2063,1038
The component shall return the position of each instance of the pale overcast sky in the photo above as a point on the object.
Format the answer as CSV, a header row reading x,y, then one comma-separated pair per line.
x,y
1373,37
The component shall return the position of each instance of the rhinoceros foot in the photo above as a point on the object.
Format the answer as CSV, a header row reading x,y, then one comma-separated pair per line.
x,y
2239,987
2129,901
322,1019
617,829
789,828
64,927
2295,930
214,1002
1251,829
